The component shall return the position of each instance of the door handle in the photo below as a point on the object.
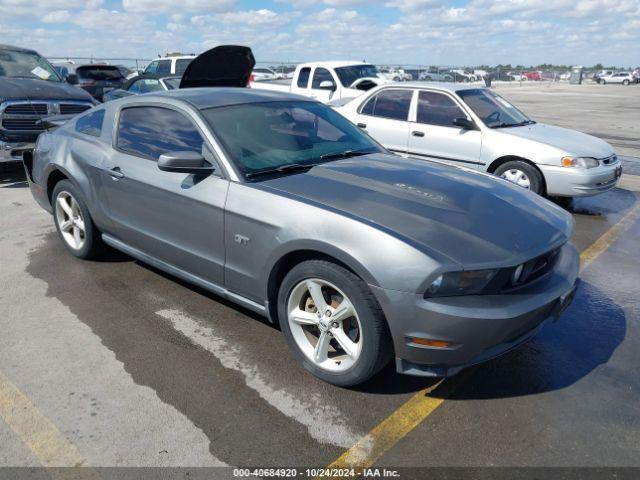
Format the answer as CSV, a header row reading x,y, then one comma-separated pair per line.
x,y
362,125
116,173
417,133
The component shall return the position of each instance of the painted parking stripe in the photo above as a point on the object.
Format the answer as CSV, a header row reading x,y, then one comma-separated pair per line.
x,y
384,436
39,434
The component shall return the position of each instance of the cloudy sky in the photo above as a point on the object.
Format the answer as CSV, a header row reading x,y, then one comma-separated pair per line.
x,y
455,32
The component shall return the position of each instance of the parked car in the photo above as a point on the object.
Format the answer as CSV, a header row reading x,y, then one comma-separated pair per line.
x,y
502,76
602,73
265,198
172,64
535,76
518,76
395,74
435,75
623,78
31,89
96,79
145,83
477,128
327,81
460,75
261,73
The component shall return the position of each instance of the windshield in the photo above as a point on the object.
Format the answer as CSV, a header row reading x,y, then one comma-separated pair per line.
x,y
26,65
99,72
172,83
492,109
272,135
348,75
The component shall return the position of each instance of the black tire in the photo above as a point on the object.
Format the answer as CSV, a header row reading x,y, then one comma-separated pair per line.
x,y
626,82
603,82
535,178
377,347
93,245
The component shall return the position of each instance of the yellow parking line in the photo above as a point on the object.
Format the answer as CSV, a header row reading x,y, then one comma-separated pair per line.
x,y
396,426
602,244
38,433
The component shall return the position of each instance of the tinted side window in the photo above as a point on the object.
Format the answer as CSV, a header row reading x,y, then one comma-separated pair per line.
x,y
319,76
164,66
303,77
181,65
91,123
392,104
151,131
437,109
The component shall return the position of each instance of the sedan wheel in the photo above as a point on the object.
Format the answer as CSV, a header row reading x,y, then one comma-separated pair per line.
x,y
518,177
70,220
325,325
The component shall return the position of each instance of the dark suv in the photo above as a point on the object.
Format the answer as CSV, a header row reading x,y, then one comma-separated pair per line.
x,y
30,89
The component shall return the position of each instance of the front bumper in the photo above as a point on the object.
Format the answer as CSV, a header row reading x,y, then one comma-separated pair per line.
x,y
478,327
12,151
577,182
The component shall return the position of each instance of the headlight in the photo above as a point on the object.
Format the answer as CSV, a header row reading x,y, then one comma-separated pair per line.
x,y
580,162
460,283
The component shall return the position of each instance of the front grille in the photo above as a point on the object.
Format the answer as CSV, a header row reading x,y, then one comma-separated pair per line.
x,y
69,108
29,124
26,109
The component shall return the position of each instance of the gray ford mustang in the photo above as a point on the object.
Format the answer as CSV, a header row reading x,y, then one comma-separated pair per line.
x,y
281,205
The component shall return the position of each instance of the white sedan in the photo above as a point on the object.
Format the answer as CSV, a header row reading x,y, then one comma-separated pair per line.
x,y
478,129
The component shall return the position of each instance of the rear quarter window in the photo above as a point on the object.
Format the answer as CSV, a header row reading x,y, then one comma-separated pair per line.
x,y
91,123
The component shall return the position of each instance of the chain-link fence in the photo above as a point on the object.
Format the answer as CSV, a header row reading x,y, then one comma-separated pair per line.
x,y
275,69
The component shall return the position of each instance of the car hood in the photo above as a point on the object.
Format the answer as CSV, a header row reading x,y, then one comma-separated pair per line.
x,y
223,66
569,141
35,89
473,219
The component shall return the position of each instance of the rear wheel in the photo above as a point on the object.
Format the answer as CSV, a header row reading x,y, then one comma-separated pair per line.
x,y
332,323
626,82
74,223
522,174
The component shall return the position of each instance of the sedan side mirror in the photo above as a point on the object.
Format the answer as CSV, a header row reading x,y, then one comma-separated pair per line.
x,y
72,79
185,162
464,123
327,85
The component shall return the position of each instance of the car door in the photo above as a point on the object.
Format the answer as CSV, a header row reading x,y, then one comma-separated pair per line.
x,y
177,218
433,134
322,94
384,116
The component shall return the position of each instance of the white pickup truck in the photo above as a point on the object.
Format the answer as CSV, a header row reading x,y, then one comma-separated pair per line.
x,y
328,81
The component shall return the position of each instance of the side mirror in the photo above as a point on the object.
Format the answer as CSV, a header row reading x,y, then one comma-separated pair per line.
x,y
327,85
72,78
464,123
185,162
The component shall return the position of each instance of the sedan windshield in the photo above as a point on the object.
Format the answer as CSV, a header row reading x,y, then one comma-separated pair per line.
x,y
348,75
278,137
492,109
19,64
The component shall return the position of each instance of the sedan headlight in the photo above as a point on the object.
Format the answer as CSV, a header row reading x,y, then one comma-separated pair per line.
x,y
469,282
580,162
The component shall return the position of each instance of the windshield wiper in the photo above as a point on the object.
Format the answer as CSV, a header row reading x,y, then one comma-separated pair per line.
x,y
291,167
519,124
345,154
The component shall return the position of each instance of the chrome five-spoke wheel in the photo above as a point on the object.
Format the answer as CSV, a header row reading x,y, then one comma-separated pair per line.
x,y
324,324
518,177
70,220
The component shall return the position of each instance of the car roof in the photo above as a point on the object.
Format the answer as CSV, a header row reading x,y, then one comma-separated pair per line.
x,y
16,49
334,64
210,97
444,86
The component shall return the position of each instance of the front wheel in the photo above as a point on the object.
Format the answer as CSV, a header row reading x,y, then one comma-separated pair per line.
x,y
74,223
522,174
626,82
333,323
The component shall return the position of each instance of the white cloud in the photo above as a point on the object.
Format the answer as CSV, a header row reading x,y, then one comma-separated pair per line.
x,y
158,6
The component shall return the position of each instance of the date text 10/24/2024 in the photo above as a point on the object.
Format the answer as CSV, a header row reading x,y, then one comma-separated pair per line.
x,y
316,472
